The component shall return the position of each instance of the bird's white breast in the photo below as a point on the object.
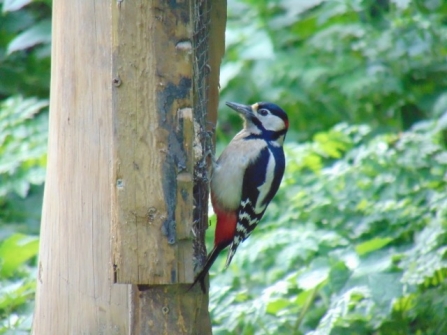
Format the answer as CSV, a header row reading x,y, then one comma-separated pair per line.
x,y
228,172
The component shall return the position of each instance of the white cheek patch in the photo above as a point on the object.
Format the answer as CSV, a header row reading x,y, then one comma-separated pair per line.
x,y
273,123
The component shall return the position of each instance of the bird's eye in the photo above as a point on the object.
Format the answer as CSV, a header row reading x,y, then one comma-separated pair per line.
x,y
263,112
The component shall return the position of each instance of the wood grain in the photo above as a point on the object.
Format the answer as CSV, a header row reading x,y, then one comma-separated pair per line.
x,y
75,290
169,309
122,137
153,135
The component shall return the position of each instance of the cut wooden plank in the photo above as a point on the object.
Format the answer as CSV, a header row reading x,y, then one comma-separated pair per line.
x,y
153,136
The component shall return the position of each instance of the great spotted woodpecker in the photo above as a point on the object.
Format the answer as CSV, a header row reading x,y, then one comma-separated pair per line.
x,y
246,177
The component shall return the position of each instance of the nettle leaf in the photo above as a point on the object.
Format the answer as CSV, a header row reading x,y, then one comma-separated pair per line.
x,y
16,250
228,72
317,273
357,298
427,256
23,142
16,110
372,245
402,4
333,144
13,5
37,34
15,294
385,288
275,306
338,276
370,301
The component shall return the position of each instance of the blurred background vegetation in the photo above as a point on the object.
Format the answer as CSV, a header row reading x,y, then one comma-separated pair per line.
x,y
356,240
25,36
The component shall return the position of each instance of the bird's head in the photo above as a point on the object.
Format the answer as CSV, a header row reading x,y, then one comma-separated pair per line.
x,y
263,118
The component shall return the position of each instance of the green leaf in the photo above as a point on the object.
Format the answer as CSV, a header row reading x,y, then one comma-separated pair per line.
x,y
385,288
402,4
13,5
23,141
274,306
315,275
340,307
16,250
427,257
37,34
15,294
372,245
338,276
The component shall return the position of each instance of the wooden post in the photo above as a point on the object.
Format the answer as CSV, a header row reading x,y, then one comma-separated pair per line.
x,y
75,289
128,143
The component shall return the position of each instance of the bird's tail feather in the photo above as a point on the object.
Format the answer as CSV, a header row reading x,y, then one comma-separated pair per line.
x,y
209,262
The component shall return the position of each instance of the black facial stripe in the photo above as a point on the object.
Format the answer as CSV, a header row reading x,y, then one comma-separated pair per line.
x,y
258,123
277,134
267,134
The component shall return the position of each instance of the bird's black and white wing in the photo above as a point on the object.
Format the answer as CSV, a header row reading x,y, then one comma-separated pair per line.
x,y
261,182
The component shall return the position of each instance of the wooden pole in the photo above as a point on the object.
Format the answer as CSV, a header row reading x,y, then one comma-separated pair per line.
x,y
128,144
75,289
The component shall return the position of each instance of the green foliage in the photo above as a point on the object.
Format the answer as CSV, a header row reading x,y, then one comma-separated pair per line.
x,y
355,242
38,33
23,140
25,34
17,283
326,62
14,251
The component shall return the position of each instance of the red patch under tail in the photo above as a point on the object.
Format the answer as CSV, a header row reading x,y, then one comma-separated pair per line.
x,y
225,228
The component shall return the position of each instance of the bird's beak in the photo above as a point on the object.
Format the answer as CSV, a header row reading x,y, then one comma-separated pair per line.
x,y
245,110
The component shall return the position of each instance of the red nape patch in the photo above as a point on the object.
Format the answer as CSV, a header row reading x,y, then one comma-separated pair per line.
x,y
286,122
225,227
